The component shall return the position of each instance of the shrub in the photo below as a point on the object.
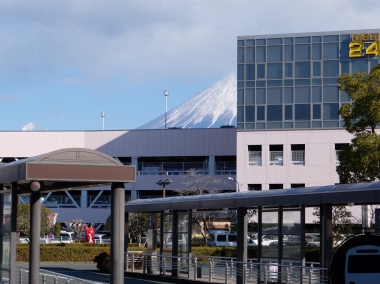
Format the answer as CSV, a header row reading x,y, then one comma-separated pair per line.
x,y
103,261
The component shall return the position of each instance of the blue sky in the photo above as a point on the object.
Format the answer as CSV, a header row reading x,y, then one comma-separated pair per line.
x,y
63,62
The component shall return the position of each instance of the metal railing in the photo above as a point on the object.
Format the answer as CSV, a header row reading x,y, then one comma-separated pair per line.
x,y
171,168
45,277
224,269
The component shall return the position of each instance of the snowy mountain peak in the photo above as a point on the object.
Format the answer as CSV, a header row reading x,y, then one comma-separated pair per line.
x,y
211,108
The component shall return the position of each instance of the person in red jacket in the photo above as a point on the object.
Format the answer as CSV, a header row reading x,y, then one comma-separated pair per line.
x,y
90,234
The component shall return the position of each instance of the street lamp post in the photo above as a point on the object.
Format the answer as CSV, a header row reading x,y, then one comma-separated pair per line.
x,y
164,182
230,178
103,114
166,94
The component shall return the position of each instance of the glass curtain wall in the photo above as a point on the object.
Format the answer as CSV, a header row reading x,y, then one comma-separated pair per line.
x,y
290,82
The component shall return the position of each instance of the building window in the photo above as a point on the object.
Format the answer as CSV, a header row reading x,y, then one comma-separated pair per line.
x,y
338,147
296,185
254,187
254,155
276,186
298,154
276,155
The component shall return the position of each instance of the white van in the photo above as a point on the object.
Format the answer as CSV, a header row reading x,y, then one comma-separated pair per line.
x,y
219,238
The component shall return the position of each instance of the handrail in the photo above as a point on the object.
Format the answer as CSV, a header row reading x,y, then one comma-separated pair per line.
x,y
51,277
227,269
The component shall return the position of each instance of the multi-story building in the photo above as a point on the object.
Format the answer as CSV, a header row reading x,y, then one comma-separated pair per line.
x,y
289,129
156,154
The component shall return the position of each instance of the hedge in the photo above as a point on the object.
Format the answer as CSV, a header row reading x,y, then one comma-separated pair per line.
x,y
75,252
84,252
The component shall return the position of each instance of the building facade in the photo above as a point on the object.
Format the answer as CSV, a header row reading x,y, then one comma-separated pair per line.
x,y
156,154
289,81
288,127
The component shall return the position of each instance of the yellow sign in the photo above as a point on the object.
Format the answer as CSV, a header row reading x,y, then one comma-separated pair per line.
x,y
357,45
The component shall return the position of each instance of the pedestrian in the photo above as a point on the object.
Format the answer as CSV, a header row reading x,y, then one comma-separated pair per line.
x,y
90,234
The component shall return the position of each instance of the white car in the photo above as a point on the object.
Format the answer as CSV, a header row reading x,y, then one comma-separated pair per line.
x,y
313,244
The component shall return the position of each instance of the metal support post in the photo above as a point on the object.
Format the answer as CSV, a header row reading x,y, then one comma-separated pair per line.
x,y
232,268
133,262
117,237
226,273
12,261
175,243
265,274
310,276
326,236
210,272
287,275
195,269
163,265
241,247
244,273
21,270
251,270
35,228
178,266
143,263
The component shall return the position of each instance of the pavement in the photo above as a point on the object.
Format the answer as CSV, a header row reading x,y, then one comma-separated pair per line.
x,y
88,271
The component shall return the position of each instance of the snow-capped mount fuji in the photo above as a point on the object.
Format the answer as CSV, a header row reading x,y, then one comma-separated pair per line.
x,y
211,108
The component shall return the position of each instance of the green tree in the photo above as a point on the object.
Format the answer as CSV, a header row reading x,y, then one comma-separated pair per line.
x,y
138,226
363,114
342,225
57,230
23,219
359,162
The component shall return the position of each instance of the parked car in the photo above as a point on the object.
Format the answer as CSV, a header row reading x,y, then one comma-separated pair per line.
x,y
67,237
219,238
101,239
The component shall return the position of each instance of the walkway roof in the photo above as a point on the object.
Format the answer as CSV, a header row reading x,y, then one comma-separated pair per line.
x,y
361,193
63,169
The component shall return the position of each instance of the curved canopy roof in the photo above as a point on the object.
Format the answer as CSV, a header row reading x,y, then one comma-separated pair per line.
x,y
361,193
66,169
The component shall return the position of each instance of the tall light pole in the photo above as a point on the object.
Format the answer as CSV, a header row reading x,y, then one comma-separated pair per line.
x,y
103,114
166,94
230,178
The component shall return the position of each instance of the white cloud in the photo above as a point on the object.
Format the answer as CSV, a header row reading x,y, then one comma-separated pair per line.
x,y
160,38
30,126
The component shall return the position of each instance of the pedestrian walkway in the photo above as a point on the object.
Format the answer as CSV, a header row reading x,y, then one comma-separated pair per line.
x,y
89,272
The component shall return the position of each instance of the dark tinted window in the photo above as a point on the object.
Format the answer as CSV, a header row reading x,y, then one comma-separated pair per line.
x,y
221,238
302,112
274,112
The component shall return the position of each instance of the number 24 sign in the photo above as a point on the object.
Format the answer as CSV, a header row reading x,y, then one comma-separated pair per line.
x,y
357,49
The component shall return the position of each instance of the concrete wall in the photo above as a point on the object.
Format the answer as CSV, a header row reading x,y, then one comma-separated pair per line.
x,y
319,166
134,143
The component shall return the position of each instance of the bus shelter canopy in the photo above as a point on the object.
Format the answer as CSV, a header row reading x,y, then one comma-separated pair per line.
x,y
343,194
65,169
